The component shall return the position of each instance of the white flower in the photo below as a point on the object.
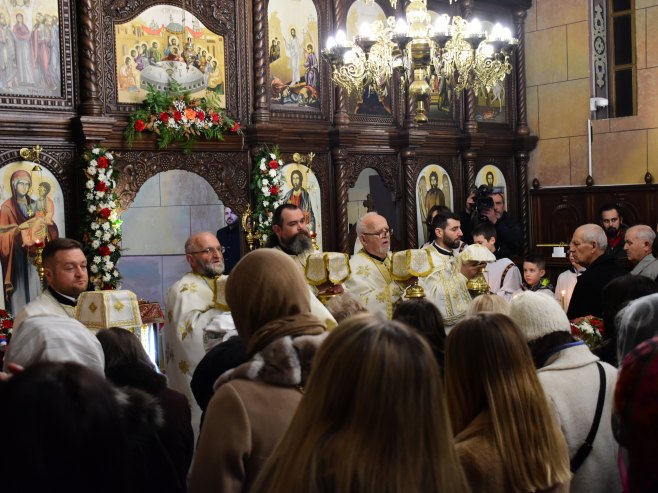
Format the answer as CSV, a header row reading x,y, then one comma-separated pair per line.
x,y
91,171
262,166
107,236
272,173
266,182
91,209
94,269
94,225
115,273
98,234
100,195
109,156
266,203
93,163
90,196
266,192
95,150
111,247
107,278
280,162
97,258
272,156
109,265
264,189
105,225
90,184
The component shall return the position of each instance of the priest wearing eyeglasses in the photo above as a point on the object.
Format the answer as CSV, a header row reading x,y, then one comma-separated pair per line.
x,y
196,320
371,278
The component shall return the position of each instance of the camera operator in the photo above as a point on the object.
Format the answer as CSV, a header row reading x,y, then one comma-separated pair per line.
x,y
485,204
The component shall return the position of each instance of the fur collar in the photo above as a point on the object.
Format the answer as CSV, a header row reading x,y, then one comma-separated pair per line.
x,y
285,362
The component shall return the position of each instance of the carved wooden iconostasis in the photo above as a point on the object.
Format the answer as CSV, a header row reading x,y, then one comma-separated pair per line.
x,y
278,99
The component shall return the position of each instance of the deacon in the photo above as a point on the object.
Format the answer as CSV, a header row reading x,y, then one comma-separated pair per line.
x,y
446,285
371,277
65,268
195,322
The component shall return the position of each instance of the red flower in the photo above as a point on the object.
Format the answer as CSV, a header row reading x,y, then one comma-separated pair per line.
x,y
108,287
164,117
102,162
103,250
274,190
101,186
3,313
7,324
105,213
235,127
214,117
177,116
200,115
140,125
274,164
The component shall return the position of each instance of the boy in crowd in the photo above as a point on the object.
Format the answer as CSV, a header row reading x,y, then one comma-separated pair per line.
x,y
534,269
503,276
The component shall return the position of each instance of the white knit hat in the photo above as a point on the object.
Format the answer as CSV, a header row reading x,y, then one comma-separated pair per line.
x,y
538,314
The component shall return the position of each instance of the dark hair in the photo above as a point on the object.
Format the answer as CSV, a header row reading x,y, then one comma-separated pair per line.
x,y
535,258
434,173
297,172
65,431
45,185
545,346
616,295
609,207
59,244
425,318
277,217
485,229
126,362
440,221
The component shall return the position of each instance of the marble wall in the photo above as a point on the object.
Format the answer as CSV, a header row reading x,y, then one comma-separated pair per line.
x,y
558,90
169,208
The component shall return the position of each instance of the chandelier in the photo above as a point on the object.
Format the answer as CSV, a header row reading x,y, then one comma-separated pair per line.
x,y
459,51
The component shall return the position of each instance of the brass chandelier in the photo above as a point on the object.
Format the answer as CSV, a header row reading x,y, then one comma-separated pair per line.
x,y
453,48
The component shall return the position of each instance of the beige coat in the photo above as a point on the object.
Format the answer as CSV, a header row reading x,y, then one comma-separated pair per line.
x,y
481,461
244,421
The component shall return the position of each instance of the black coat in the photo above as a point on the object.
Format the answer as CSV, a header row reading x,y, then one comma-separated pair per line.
x,y
509,233
587,297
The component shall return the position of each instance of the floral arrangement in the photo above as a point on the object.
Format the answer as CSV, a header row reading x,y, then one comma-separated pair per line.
x,y
266,183
589,329
101,234
6,326
177,117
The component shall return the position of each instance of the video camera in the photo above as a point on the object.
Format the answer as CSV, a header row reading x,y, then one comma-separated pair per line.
x,y
483,199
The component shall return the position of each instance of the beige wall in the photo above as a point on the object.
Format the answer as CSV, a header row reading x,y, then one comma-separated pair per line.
x,y
558,90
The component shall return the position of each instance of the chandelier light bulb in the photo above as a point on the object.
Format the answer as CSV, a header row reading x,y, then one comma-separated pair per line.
x,y
331,43
401,27
365,30
341,38
507,34
442,24
475,27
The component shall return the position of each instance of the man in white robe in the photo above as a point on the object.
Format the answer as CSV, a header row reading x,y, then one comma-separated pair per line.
x,y
371,278
446,285
196,318
503,276
291,236
65,269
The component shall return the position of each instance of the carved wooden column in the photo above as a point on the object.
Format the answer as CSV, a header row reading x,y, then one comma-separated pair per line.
x,y
408,157
470,124
341,116
89,61
339,157
261,112
469,157
522,117
522,164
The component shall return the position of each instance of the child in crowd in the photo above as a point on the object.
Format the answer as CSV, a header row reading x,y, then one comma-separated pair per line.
x,y
534,269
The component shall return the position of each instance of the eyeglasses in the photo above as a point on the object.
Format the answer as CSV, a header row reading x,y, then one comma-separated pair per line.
x,y
210,251
381,234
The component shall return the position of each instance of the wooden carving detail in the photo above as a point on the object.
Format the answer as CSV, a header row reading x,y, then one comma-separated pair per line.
x,y
261,115
408,164
342,198
385,165
226,172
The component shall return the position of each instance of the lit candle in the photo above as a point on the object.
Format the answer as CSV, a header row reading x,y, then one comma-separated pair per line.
x,y
564,307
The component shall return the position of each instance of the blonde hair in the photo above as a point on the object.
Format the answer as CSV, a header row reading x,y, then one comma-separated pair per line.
x,y
489,368
488,303
373,419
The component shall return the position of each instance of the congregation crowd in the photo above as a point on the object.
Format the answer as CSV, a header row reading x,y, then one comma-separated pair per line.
x,y
268,390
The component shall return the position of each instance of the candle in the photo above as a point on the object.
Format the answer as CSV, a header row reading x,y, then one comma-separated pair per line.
x,y
589,147
564,307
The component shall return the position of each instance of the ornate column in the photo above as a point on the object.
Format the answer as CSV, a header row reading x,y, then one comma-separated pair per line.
x,y
261,112
408,157
89,12
341,116
339,157
522,164
470,124
522,117
469,157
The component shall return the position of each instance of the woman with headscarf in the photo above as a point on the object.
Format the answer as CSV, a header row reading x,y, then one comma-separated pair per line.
x,y
254,403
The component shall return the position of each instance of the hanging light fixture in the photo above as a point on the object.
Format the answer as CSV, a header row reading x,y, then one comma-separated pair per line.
x,y
453,48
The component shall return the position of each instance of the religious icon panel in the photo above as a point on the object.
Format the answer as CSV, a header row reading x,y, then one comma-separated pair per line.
x,y
301,187
433,187
493,177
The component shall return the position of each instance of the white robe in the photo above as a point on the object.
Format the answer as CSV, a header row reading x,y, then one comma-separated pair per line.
x,y
191,317
371,281
566,282
44,304
510,284
446,287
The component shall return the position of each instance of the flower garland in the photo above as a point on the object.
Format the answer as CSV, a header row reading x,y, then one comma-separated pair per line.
x,y
101,235
6,327
266,182
177,117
